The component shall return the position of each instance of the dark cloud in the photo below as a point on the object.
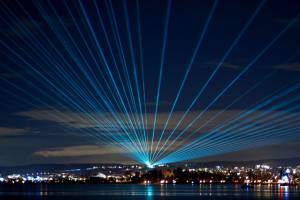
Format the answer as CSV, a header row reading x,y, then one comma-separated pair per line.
x,y
5,131
228,65
289,67
76,151
277,151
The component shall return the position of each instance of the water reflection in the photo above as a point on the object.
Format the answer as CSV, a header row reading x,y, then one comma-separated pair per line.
x,y
284,192
152,192
149,192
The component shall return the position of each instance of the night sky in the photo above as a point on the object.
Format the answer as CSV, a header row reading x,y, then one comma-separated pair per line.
x,y
79,80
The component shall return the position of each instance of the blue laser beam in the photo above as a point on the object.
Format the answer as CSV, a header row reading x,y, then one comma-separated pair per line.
x,y
196,51
206,138
235,42
240,97
162,62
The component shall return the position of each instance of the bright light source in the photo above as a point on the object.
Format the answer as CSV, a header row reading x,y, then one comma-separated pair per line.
x,y
285,179
149,165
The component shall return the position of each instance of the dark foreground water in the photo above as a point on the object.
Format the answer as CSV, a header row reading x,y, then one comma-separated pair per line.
x,y
149,192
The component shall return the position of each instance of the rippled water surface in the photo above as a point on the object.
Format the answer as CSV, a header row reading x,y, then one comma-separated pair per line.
x,y
149,192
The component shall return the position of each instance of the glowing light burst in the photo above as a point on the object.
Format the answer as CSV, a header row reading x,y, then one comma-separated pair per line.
x,y
84,64
149,165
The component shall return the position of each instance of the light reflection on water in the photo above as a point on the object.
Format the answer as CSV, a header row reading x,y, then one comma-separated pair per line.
x,y
151,192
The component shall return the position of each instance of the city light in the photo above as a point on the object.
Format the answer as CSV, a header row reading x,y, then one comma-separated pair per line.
x,y
258,175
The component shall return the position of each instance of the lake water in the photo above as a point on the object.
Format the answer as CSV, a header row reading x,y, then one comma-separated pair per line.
x,y
149,192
